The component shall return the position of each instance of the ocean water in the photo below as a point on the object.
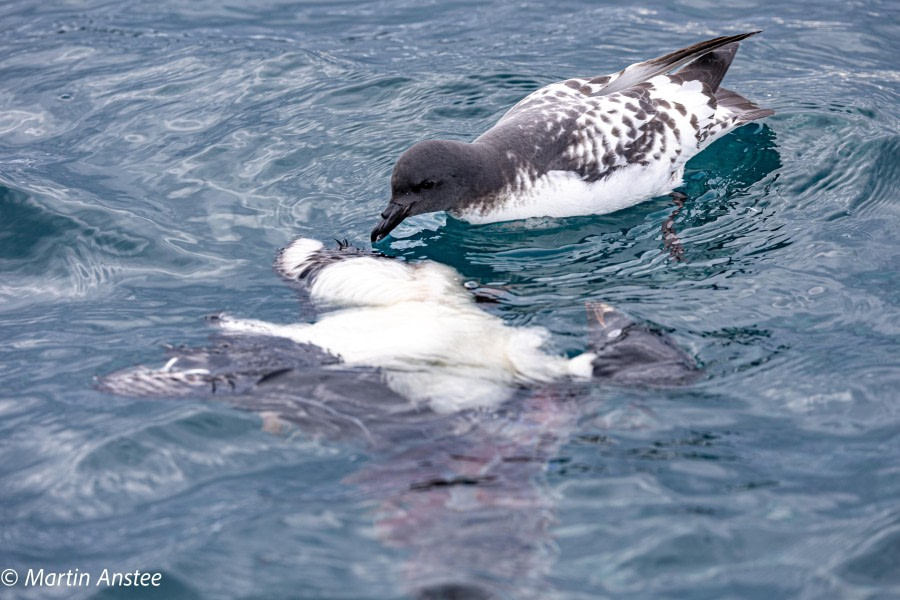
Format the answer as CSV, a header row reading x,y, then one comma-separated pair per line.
x,y
154,157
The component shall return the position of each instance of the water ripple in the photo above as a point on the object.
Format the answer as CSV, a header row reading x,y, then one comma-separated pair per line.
x,y
154,156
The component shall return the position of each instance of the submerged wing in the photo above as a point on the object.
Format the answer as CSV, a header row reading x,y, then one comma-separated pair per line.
x,y
284,382
230,365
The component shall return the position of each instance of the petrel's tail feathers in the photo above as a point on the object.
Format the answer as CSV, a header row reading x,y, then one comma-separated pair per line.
x,y
717,64
710,68
744,109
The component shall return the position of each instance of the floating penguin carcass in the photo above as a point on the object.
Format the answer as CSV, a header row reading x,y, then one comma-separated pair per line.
x,y
414,328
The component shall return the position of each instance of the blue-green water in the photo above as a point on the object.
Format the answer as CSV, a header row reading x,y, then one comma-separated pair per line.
x,y
155,155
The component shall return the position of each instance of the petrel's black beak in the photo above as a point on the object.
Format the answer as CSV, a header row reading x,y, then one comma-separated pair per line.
x,y
390,218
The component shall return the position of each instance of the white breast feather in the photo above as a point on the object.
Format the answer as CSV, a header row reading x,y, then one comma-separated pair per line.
x,y
564,194
417,323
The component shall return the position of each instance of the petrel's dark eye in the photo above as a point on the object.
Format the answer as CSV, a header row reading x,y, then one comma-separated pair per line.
x,y
427,184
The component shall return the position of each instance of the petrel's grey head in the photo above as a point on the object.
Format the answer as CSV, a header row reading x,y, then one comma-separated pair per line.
x,y
431,176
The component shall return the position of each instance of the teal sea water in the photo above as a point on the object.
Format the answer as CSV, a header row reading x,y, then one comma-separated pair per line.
x,y
154,157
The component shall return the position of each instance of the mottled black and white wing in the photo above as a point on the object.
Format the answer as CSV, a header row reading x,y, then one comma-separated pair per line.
x,y
637,117
579,87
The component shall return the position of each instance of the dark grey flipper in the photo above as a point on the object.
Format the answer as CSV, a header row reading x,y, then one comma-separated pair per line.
x,y
228,366
649,69
299,384
632,354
